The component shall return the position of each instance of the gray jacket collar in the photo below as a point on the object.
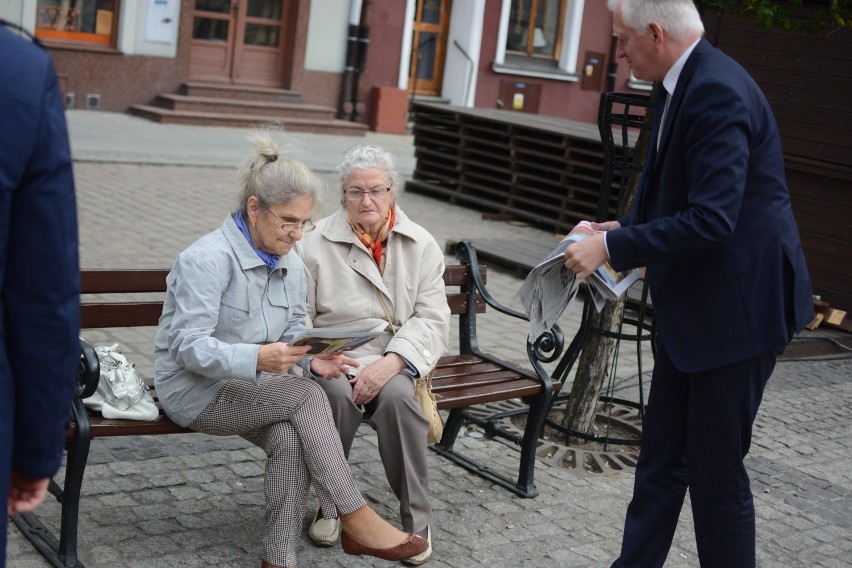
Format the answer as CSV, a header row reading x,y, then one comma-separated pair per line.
x,y
245,254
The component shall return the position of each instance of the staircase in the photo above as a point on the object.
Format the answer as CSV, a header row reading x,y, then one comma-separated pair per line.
x,y
223,104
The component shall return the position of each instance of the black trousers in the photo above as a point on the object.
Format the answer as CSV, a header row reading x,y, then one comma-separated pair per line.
x,y
696,434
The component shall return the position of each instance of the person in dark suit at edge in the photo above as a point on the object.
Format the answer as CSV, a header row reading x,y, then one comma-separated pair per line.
x,y
713,225
39,276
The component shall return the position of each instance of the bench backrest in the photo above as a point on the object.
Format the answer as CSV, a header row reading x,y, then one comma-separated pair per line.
x,y
118,311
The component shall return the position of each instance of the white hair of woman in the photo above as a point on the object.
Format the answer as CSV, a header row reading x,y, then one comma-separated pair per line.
x,y
366,156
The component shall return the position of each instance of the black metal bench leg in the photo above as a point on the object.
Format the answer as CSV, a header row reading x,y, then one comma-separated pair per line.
x,y
452,426
75,467
539,407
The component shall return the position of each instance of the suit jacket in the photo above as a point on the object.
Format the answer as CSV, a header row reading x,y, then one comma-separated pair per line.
x,y
39,269
714,225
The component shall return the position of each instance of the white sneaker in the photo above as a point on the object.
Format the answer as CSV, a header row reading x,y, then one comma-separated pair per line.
x,y
324,532
425,555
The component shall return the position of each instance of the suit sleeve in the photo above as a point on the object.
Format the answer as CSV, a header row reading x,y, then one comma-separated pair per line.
x,y
702,184
41,291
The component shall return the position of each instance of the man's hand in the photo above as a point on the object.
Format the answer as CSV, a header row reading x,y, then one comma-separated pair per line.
x,y
332,365
584,257
279,357
25,494
368,383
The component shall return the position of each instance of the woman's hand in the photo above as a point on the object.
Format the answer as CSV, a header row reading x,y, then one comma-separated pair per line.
x,y
370,381
279,357
332,365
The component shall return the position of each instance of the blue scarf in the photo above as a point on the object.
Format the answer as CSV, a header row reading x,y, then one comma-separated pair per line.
x,y
271,260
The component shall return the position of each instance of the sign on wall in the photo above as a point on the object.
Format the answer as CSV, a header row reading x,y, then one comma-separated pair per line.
x,y
161,21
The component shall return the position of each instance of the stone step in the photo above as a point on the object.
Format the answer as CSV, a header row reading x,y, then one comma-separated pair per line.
x,y
240,92
294,124
219,105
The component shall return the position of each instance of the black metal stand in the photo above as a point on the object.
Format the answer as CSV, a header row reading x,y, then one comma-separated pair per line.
x,y
619,124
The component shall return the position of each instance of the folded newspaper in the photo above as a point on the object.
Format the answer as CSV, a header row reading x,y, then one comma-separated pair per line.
x,y
335,339
550,287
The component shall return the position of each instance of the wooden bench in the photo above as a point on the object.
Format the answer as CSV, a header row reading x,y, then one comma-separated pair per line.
x,y
461,380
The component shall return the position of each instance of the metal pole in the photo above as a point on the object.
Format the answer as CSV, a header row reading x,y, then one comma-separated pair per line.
x,y
344,106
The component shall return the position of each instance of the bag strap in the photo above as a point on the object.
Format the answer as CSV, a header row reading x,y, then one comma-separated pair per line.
x,y
385,309
428,377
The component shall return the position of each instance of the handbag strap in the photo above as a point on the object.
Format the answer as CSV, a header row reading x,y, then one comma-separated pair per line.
x,y
385,309
428,377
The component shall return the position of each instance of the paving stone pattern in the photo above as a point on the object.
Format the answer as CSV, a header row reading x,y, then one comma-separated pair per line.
x,y
145,191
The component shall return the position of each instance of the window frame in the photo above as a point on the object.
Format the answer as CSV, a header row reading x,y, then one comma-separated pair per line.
x,y
563,66
76,38
532,25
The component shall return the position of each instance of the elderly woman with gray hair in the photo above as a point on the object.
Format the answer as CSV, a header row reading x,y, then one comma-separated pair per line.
x,y
235,297
368,264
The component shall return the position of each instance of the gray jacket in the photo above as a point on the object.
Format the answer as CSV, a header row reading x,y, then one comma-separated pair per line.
x,y
221,305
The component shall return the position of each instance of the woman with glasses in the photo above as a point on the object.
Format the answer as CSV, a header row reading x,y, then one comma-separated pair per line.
x,y
368,263
235,297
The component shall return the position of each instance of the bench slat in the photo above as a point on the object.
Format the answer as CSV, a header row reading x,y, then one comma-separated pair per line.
x,y
104,427
96,281
457,275
124,314
489,393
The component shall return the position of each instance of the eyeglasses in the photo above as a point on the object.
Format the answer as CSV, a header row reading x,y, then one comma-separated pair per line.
x,y
290,226
355,194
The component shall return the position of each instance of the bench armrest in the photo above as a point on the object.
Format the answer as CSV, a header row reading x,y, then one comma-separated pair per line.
x,y
88,370
466,253
546,348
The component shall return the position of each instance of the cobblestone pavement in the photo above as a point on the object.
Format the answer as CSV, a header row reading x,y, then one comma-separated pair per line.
x,y
145,191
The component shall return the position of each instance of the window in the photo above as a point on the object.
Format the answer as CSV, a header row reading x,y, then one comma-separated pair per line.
x,y
83,21
535,28
540,38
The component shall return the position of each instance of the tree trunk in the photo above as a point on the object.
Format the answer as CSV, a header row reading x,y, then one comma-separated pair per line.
x,y
593,368
596,358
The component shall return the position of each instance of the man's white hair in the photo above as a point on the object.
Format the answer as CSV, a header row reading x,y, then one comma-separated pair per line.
x,y
679,18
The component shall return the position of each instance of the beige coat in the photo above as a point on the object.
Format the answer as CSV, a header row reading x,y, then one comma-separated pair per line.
x,y
343,280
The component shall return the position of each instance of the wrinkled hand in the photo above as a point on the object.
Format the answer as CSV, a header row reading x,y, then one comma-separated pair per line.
x,y
25,494
332,365
584,257
368,383
606,226
279,357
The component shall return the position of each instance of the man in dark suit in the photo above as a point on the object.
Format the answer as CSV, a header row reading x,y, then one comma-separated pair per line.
x,y
39,276
713,225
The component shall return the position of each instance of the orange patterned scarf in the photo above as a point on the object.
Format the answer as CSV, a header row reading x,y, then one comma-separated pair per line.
x,y
376,246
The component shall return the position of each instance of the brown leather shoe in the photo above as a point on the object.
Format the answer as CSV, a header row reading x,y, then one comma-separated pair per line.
x,y
265,564
411,546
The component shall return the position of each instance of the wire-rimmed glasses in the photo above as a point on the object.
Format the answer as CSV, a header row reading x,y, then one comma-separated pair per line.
x,y
357,194
290,226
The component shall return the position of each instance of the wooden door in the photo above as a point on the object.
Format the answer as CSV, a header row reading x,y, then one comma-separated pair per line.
x,y
428,46
242,41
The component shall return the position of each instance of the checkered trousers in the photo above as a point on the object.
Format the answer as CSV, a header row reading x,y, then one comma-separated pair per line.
x,y
289,417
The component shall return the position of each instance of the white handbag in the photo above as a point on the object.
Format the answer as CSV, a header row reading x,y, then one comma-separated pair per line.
x,y
121,392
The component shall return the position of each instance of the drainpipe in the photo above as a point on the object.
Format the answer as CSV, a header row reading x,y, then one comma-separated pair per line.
x,y
357,98
613,65
344,107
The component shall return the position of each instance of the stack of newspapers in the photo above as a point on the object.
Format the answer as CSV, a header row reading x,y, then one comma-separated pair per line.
x,y
550,287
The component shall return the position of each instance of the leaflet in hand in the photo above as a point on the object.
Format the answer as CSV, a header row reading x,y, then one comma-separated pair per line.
x,y
327,340
605,279
550,287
